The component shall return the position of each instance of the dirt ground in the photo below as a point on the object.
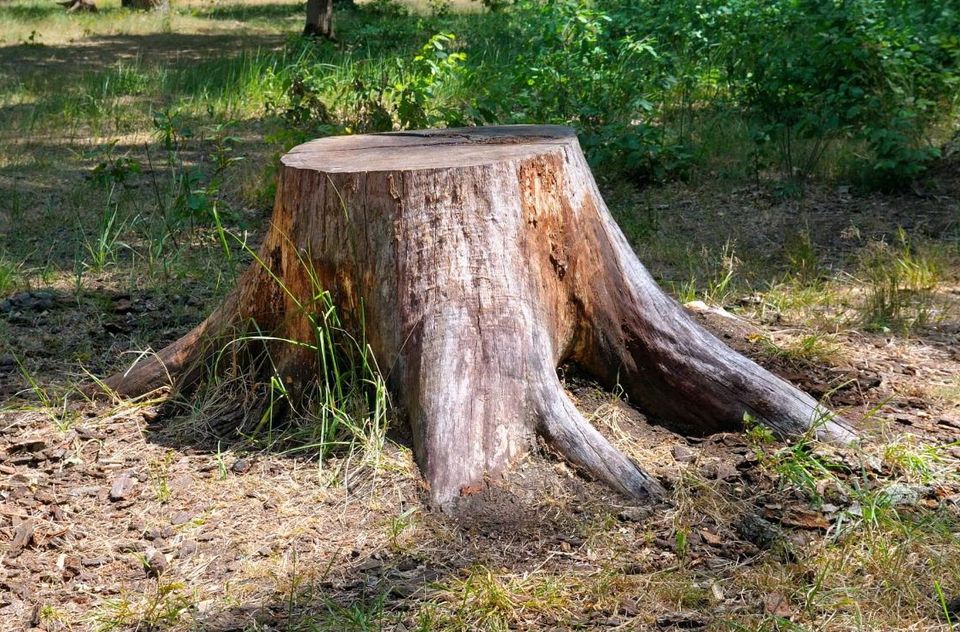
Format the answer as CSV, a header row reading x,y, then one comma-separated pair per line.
x,y
111,520
117,516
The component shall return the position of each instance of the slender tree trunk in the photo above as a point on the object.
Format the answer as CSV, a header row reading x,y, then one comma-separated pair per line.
x,y
79,6
146,5
319,19
478,261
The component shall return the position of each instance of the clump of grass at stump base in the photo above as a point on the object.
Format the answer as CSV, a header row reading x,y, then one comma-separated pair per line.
x,y
474,262
344,405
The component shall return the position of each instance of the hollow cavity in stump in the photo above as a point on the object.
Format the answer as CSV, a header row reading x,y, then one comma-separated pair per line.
x,y
481,259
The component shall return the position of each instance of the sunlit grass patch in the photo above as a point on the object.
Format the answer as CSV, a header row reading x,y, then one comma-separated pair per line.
x,y
814,347
11,276
900,280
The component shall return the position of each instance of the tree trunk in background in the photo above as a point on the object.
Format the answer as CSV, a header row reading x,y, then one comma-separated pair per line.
x,y
319,19
79,6
481,259
145,5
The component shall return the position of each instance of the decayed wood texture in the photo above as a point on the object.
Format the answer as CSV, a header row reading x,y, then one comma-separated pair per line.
x,y
485,258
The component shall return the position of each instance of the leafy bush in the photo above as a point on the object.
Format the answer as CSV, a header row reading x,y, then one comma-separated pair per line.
x,y
880,72
322,99
646,83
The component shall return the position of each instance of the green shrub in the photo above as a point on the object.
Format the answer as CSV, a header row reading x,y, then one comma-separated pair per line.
x,y
877,71
645,82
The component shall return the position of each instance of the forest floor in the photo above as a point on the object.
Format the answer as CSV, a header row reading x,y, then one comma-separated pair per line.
x,y
115,516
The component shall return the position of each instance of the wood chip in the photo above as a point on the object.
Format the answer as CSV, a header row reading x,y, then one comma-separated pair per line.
x,y
122,487
21,537
27,445
800,518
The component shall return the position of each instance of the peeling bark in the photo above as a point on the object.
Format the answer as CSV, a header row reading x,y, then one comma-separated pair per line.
x,y
481,260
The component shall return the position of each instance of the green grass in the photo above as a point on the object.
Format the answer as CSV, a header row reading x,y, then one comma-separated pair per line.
x,y
11,277
901,279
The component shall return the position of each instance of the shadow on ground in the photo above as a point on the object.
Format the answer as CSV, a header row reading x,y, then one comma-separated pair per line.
x,y
105,51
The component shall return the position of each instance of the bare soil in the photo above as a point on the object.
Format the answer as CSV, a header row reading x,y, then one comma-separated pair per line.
x,y
105,511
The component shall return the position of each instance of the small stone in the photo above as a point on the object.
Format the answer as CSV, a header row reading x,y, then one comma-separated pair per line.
x,y
180,518
635,514
900,494
131,547
758,531
682,454
241,466
156,564
187,548
94,561
151,534
724,471
122,487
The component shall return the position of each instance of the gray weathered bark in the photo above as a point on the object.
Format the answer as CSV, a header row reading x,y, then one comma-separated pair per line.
x,y
483,259
319,21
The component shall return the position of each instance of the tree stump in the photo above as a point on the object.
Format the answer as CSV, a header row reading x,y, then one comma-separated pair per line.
x,y
477,261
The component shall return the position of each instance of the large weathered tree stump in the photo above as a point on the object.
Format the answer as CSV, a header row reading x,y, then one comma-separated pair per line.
x,y
482,259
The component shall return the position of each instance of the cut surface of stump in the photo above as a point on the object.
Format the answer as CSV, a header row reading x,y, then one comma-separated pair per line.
x,y
476,262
